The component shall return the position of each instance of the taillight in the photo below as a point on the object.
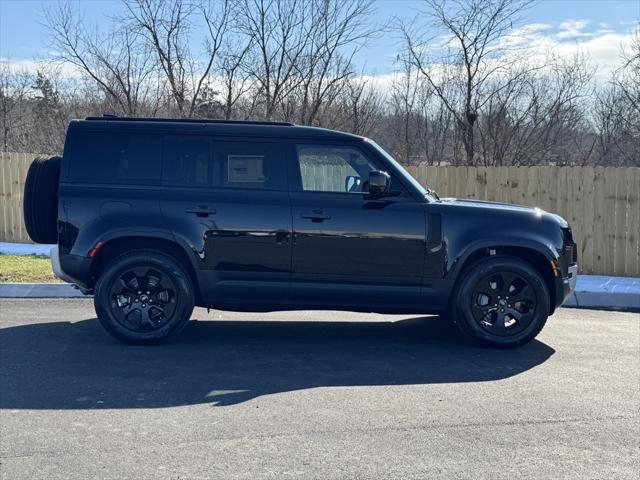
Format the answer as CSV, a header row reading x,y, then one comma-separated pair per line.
x,y
95,249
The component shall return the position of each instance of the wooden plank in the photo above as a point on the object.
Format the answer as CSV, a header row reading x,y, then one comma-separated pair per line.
x,y
491,187
481,183
431,178
562,193
453,185
423,175
442,180
15,183
621,223
443,177
586,208
529,187
471,183
610,199
11,237
504,184
597,227
542,187
552,195
633,221
3,199
20,179
23,175
461,182
18,189
572,215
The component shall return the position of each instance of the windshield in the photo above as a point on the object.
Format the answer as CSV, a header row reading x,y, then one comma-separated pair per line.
x,y
400,168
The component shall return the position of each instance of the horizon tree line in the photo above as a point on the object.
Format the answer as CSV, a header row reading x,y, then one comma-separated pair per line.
x,y
463,91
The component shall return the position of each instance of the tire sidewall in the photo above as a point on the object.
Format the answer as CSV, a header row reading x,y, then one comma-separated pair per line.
x,y
463,298
184,297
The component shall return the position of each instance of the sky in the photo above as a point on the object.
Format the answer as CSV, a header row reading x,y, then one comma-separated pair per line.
x,y
596,28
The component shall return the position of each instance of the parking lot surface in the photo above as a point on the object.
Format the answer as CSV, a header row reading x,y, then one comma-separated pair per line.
x,y
315,395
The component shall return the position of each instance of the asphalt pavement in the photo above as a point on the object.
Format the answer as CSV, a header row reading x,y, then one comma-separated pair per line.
x,y
315,395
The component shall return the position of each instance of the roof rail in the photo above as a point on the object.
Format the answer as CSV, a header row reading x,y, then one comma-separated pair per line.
x,y
112,118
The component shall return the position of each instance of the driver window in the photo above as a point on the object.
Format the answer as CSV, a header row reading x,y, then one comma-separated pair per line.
x,y
333,169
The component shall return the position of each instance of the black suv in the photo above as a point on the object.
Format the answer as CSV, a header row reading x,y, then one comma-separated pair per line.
x,y
155,216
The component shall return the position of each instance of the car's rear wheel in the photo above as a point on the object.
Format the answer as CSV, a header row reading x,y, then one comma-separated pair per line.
x,y
144,297
501,302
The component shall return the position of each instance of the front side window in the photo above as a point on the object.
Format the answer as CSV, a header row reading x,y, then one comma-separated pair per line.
x,y
249,165
330,168
116,158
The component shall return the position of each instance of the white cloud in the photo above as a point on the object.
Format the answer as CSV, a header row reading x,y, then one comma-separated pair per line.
x,y
63,69
602,47
573,29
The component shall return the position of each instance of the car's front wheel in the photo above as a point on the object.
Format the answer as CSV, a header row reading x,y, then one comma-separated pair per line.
x,y
144,297
501,301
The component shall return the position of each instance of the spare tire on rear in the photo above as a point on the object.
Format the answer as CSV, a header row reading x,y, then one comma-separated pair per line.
x,y
41,200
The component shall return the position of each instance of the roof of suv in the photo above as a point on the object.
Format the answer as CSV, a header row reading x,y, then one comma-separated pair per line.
x,y
218,127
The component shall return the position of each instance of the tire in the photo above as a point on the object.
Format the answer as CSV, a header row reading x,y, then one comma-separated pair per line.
x,y
40,206
501,302
144,297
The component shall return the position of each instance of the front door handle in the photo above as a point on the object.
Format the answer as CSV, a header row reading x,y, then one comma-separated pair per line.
x,y
202,210
315,215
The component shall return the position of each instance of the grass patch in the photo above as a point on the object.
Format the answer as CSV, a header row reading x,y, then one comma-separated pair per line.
x,y
26,269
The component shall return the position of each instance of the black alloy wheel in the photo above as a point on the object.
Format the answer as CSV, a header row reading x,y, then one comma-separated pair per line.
x,y
501,301
144,297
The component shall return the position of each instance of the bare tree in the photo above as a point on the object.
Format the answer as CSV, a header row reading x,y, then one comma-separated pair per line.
x,y
14,89
617,115
324,68
361,105
236,84
472,56
166,26
405,109
280,30
119,64
628,82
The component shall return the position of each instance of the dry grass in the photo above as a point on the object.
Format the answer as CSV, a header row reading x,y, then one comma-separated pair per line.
x,y
26,268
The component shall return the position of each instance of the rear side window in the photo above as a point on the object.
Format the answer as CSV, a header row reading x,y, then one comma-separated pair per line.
x,y
187,160
250,165
116,158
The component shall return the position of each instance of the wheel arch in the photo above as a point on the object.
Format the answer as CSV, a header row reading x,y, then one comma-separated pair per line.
x,y
536,256
114,247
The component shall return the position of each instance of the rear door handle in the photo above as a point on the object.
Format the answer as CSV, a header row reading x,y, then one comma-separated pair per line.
x,y
315,215
202,210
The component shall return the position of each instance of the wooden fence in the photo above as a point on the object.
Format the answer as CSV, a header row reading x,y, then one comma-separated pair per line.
x,y
601,204
13,171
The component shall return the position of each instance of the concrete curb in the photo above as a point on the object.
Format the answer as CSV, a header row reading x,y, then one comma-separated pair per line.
x,y
39,290
7,248
592,291
598,291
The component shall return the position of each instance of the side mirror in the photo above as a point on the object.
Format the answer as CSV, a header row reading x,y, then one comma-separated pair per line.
x,y
352,183
379,183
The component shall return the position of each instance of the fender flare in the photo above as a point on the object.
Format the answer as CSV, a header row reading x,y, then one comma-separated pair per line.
x,y
459,260
120,233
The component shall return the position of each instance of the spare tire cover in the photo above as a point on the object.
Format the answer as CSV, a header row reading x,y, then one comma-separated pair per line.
x,y
41,200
